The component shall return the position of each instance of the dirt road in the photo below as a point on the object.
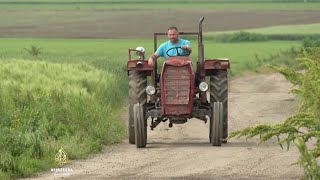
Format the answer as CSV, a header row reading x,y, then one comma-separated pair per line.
x,y
184,152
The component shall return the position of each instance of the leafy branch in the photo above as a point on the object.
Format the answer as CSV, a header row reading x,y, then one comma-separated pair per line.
x,y
303,127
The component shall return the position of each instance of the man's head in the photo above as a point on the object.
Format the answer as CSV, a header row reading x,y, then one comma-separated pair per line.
x,y
173,34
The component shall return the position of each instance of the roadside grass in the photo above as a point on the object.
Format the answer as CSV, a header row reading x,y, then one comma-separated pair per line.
x,y
46,106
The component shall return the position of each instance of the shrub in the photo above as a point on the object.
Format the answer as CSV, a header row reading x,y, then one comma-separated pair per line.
x,y
283,57
308,42
34,51
241,37
304,125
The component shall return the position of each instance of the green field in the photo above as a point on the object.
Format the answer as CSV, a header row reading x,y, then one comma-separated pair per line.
x,y
106,54
122,19
303,29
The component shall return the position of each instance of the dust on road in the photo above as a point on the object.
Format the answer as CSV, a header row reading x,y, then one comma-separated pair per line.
x,y
184,152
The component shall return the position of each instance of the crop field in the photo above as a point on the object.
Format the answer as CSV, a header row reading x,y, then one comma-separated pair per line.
x,y
301,29
105,54
63,64
57,19
289,29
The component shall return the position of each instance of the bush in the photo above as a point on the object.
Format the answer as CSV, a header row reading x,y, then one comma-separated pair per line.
x,y
308,42
283,57
241,37
304,125
33,51
292,37
231,37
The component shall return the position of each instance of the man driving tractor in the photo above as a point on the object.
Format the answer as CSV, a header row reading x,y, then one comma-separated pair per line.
x,y
173,42
178,92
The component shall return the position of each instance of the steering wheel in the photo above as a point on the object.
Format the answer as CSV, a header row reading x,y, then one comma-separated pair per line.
x,y
187,52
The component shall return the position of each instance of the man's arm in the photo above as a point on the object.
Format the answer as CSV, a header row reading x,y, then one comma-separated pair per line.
x,y
152,58
187,47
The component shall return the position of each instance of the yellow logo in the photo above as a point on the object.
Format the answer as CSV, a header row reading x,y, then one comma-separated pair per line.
x,y
61,157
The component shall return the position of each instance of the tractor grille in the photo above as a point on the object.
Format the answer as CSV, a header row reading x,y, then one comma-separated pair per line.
x,y
177,85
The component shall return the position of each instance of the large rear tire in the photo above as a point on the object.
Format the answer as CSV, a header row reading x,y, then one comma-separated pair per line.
x,y
137,94
219,92
216,129
140,126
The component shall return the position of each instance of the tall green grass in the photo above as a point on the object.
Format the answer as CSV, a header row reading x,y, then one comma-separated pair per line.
x,y
45,106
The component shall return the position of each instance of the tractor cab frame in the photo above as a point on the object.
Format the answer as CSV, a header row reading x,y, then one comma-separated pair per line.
x,y
179,95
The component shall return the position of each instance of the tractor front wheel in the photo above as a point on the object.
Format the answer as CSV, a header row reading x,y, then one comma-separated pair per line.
x,y
219,92
140,126
137,94
216,129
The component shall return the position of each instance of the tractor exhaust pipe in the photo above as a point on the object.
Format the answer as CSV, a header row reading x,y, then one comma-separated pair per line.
x,y
201,51
200,69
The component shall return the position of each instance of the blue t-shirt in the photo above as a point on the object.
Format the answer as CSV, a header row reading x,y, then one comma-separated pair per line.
x,y
161,51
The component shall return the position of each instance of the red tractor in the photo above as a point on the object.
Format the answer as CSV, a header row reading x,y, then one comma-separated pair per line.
x,y
179,94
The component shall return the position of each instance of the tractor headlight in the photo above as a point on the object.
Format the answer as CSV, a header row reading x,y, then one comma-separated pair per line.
x,y
203,86
139,64
150,90
140,49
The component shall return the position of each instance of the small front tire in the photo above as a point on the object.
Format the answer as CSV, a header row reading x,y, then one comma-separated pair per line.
x,y
140,126
216,124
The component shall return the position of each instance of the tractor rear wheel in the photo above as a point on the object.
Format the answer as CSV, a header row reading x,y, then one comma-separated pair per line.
x,y
140,126
219,92
137,94
216,129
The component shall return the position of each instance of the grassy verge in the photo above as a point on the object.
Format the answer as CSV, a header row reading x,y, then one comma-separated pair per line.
x,y
45,106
